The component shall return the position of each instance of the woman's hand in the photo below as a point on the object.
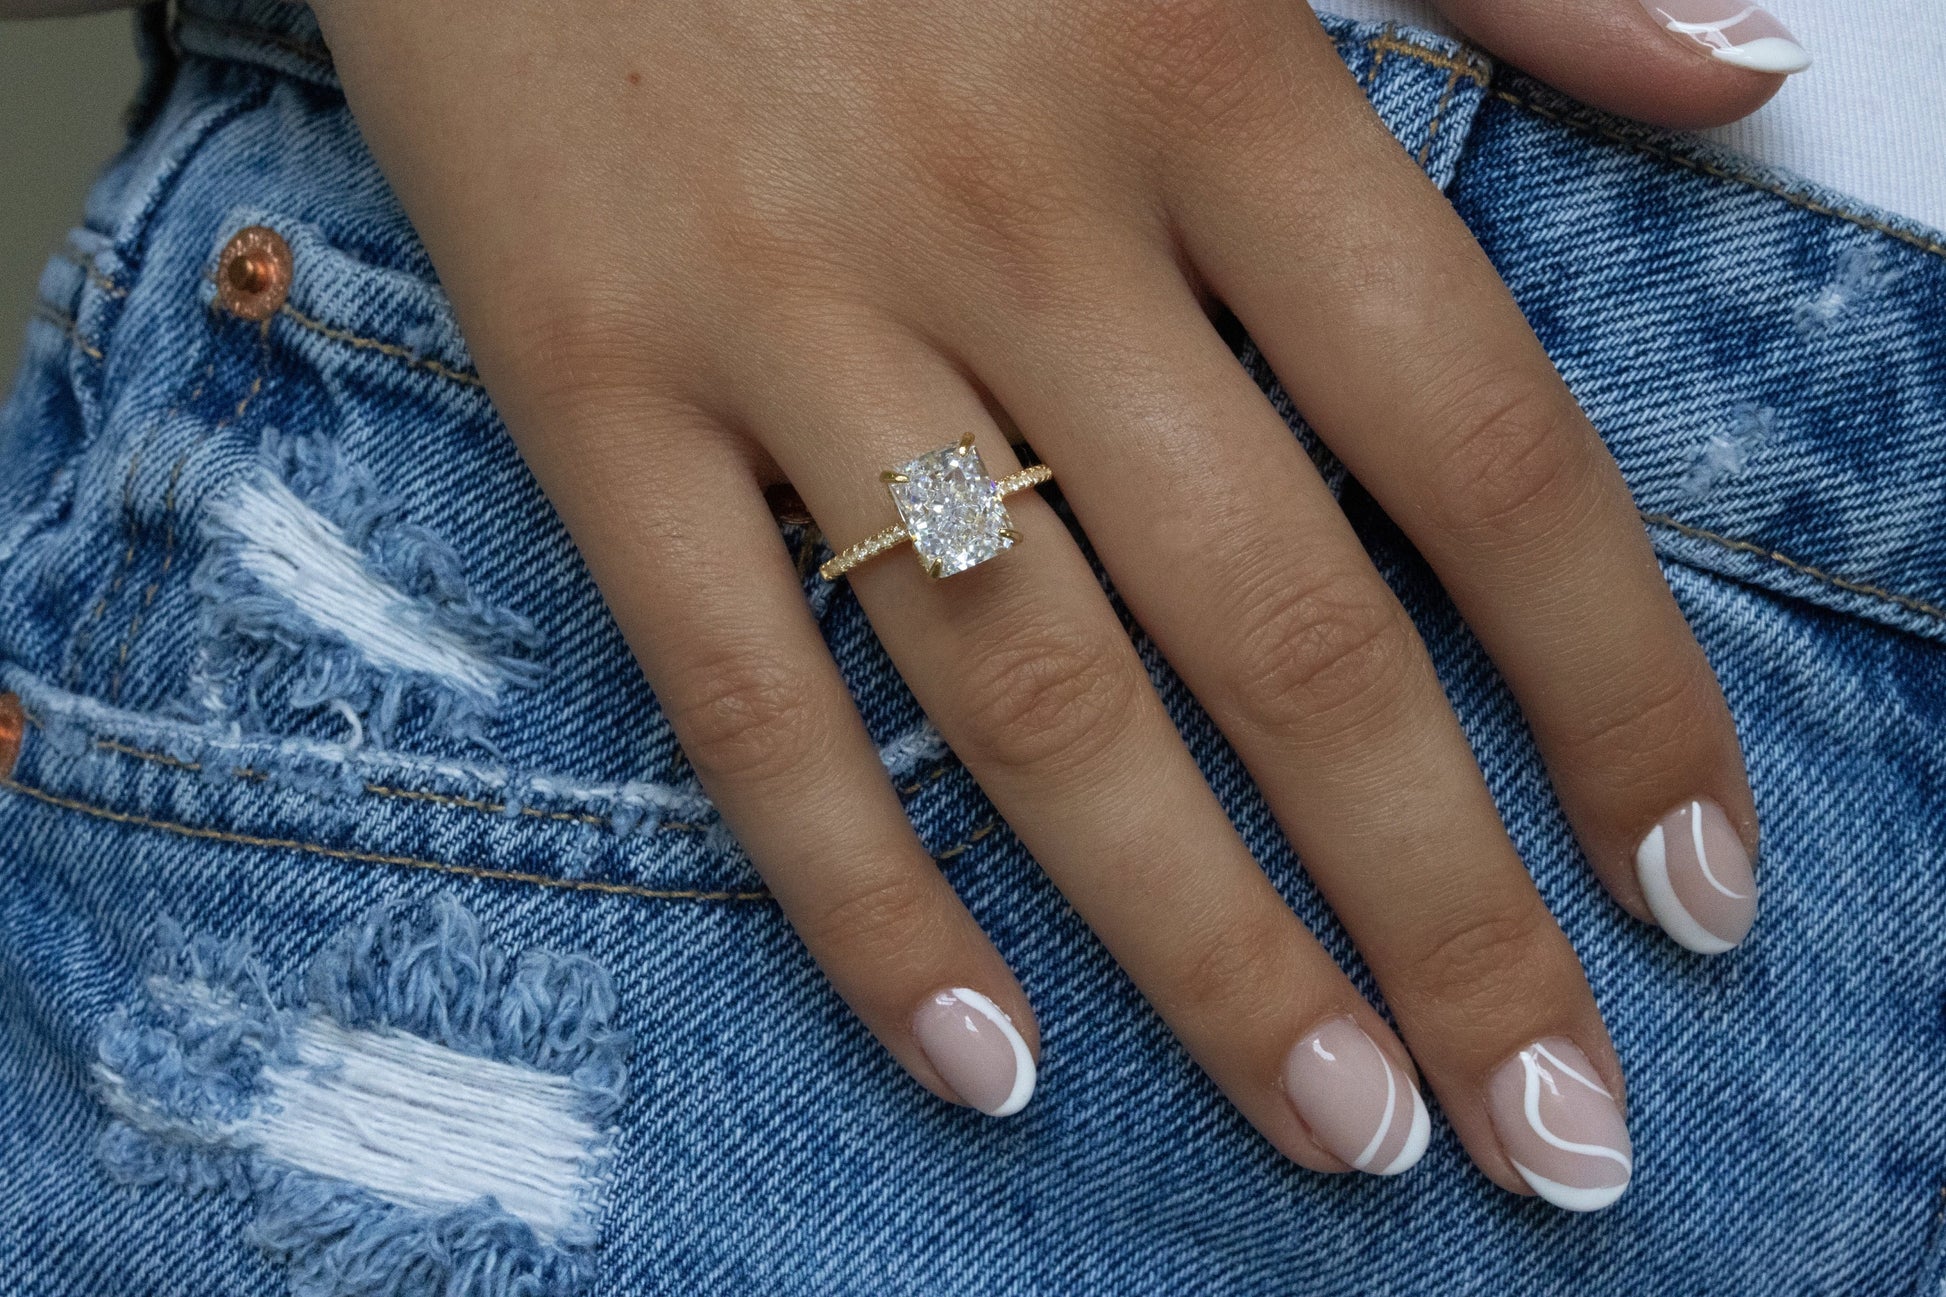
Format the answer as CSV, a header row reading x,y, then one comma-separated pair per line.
x,y
697,248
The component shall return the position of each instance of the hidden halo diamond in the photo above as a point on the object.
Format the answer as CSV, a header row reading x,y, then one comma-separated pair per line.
x,y
952,512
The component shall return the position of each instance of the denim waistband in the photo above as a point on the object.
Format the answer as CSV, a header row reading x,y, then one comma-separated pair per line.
x,y
1767,359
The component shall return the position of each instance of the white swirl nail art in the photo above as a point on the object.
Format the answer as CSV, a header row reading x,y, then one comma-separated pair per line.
x,y
1332,1078
1743,35
1561,1127
1698,878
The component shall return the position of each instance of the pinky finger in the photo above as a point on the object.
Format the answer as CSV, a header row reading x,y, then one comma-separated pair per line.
x,y
691,565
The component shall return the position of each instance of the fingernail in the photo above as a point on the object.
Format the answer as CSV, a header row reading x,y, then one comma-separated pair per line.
x,y
1357,1102
977,1050
1560,1126
1731,32
1698,878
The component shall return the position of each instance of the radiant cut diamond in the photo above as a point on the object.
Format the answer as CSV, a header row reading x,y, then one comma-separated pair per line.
x,y
952,509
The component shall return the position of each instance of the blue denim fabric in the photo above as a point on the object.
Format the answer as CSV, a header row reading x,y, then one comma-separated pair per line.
x,y
419,806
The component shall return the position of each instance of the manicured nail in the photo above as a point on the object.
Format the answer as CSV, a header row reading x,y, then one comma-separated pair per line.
x,y
1698,878
977,1050
1731,31
1560,1126
1357,1102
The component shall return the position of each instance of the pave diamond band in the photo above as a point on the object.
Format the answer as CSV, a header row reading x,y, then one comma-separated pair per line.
x,y
953,514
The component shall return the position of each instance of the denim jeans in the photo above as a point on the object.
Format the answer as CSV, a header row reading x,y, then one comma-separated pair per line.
x,y
362,930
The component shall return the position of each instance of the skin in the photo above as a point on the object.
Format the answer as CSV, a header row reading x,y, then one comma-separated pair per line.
x,y
698,249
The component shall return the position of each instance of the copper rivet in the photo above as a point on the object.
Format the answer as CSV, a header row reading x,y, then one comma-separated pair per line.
x,y
253,276
13,723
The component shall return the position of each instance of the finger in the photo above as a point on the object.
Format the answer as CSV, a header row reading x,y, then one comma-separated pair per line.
x,y
1422,375
1024,667
1174,462
678,537
1684,64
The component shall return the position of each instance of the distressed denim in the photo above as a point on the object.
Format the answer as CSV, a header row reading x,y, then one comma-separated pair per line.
x,y
362,930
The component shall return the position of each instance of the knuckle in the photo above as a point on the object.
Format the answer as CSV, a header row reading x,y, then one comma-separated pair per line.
x,y
1638,735
1511,468
1047,702
889,916
1478,961
584,349
1322,654
1223,977
744,715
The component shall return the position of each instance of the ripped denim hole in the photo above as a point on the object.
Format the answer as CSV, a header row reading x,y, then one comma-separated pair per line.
x,y
319,595
418,1111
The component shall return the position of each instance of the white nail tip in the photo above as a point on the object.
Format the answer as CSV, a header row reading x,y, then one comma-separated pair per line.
x,y
1765,54
1652,869
1025,1074
1569,1198
1415,1141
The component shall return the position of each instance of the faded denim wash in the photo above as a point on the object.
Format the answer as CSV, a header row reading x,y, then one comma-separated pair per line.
x,y
362,931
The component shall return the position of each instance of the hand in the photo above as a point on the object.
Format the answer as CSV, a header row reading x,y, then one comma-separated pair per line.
x,y
697,248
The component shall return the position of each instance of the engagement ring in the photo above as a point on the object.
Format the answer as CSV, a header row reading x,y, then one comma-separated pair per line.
x,y
951,511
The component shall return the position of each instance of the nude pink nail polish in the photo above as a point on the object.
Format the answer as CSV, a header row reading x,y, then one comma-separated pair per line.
x,y
1730,31
977,1050
1357,1102
1561,1126
1698,878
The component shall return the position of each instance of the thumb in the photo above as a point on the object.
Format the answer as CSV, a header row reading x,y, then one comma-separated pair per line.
x,y
1676,63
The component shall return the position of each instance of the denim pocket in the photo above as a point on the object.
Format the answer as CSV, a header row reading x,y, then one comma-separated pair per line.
x,y
327,607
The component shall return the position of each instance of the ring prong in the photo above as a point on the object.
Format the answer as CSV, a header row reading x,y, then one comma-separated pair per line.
x,y
1010,535
893,475
935,568
966,442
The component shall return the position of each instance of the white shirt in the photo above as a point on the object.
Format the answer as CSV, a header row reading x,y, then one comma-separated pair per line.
x,y
1868,118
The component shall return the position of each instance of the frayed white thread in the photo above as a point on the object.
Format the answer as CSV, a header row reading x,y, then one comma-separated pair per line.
x,y
356,739
1858,280
912,749
1728,452
429,1127
413,1122
297,553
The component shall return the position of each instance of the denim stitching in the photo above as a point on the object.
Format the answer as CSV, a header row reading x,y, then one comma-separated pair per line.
x,y
1379,49
451,800
376,858
919,754
95,277
69,325
148,595
1432,127
253,775
85,633
1622,139
1905,601
1389,42
464,377
436,866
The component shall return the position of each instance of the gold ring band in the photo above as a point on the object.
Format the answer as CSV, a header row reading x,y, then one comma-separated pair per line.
x,y
953,506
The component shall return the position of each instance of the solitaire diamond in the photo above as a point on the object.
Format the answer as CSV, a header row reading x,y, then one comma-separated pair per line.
x,y
952,509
